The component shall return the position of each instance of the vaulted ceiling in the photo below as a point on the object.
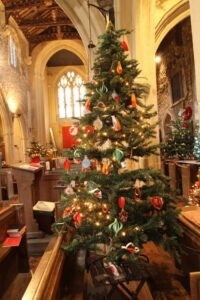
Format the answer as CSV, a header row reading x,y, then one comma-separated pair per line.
x,y
40,20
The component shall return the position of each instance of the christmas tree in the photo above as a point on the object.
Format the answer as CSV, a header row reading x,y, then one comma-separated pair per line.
x,y
181,141
111,201
196,149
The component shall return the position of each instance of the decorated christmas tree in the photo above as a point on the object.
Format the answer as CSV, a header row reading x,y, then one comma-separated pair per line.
x,y
196,149
180,143
111,201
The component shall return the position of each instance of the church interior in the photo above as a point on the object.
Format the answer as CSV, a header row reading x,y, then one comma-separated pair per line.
x,y
99,145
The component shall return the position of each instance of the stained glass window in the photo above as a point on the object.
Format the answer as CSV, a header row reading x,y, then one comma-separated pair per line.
x,y
70,92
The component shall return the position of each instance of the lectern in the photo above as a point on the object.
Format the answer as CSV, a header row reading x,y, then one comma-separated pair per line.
x,y
27,178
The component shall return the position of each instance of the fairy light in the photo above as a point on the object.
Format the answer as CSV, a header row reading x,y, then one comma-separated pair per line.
x,y
97,224
83,127
104,133
123,233
85,135
108,217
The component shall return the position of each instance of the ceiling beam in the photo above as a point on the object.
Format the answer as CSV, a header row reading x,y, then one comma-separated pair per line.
x,y
16,7
45,23
49,37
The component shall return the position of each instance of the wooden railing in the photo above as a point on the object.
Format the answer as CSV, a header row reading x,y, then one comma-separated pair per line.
x,y
54,272
45,281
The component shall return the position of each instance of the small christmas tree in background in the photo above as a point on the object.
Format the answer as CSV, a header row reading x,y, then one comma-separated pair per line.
x,y
112,201
197,144
181,142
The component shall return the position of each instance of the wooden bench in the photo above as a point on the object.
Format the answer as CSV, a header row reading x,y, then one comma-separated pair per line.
x,y
56,275
14,266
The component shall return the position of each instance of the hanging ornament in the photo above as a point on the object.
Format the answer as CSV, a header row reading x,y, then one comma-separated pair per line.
x,y
116,124
67,165
113,269
131,248
69,191
118,154
89,129
139,183
102,90
85,164
87,104
157,202
124,45
107,145
77,219
133,100
97,124
137,195
119,68
123,215
67,211
187,114
121,202
115,96
180,113
73,130
116,226
105,169
78,156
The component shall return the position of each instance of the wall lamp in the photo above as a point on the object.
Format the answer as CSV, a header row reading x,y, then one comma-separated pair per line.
x,y
15,115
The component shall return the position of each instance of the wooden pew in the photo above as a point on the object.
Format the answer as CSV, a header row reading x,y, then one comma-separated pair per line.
x,y
55,273
13,260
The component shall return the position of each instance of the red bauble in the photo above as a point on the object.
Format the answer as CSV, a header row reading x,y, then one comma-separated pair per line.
x,y
121,202
67,165
89,129
157,202
124,45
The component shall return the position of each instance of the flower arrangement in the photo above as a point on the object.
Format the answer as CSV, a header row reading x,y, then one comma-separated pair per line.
x,y
36,150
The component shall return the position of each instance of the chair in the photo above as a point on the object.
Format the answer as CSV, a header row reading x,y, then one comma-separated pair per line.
x,y
102,274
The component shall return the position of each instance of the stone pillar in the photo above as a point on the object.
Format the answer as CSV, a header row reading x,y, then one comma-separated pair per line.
x,y
139,17
39,109
195,22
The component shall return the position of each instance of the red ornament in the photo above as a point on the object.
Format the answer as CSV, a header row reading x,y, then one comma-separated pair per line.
x,y
157,202
123,215
121,202
87,104
67,165
133,100
89,129
124,45
77,219
184,125
187,114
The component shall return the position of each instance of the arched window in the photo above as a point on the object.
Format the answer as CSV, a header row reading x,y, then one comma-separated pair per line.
x,y
70,92
12,52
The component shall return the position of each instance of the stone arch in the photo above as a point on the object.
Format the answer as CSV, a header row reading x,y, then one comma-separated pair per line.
x,y
166,129
173,16
40,57
76,8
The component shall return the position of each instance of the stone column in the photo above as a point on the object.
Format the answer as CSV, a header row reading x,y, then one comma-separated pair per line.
x,y
139,17
195,22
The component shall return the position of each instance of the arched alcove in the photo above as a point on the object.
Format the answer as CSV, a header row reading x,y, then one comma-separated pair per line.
x,y
170,19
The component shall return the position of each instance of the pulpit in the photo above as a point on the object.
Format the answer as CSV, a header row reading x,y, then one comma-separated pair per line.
x,y
27,179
